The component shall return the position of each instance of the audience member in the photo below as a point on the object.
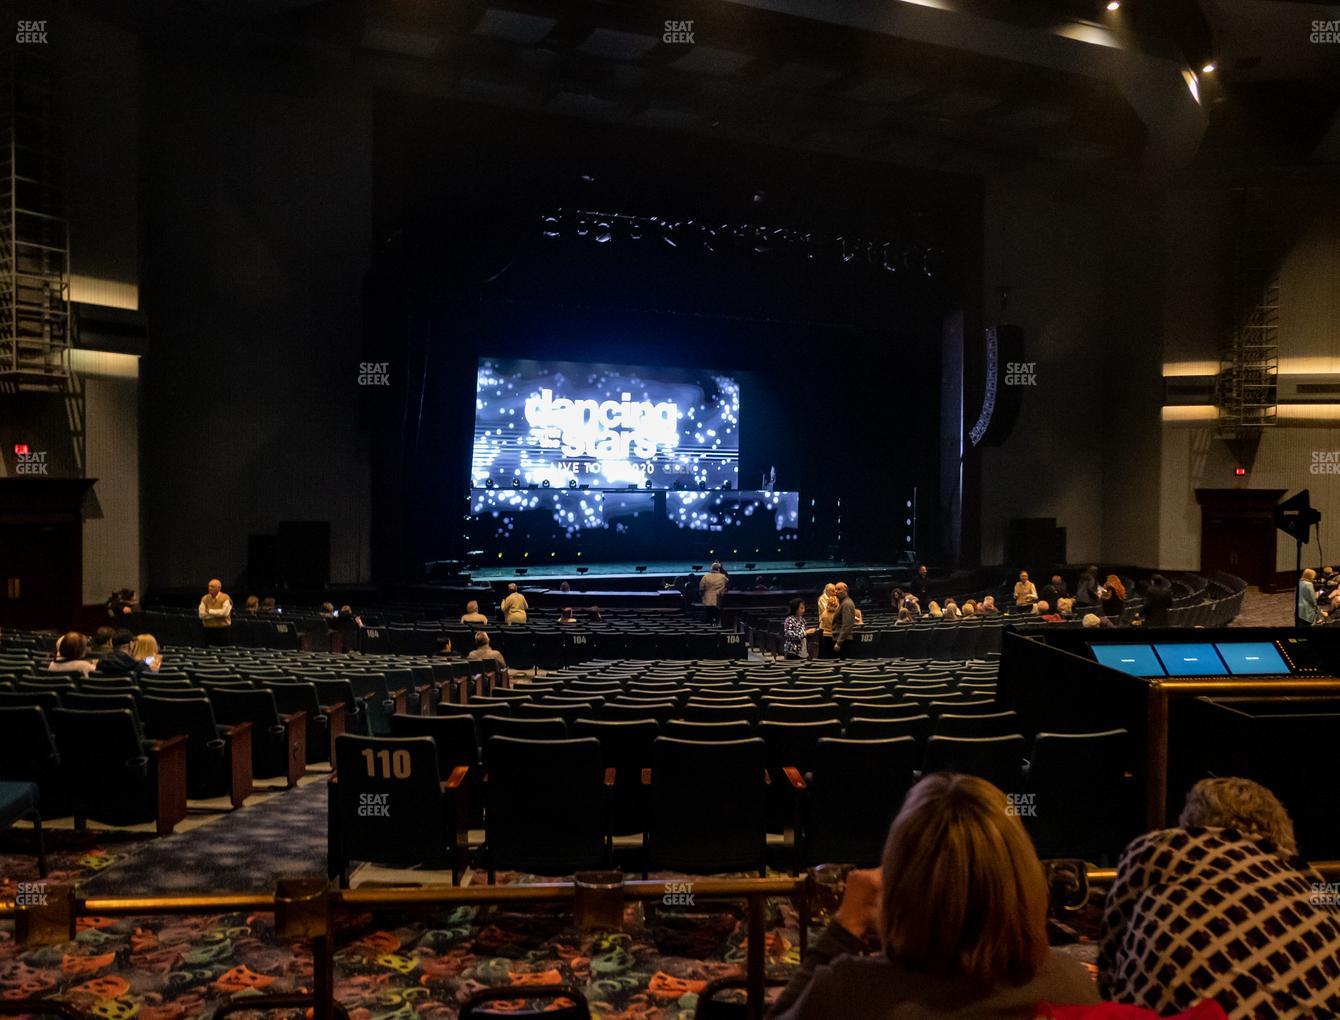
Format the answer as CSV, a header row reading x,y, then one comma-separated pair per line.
x,y
566,615
844,622
1158,601
795,633
1054,590
1086,587
959,905
72,655
483,650
896,598
514,607
1066,607
565,587
269,605
121,660
1220,907
712,585
216,614
594,613
951,609
1024,592
327,610
934,609
828,607
920,584
904,615
252,606
970,608
472,615
101,645
1112,596
123,602
1305,610
145,652
1092,620
988,605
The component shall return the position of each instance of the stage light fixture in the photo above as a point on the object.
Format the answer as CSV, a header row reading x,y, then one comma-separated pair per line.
x,y
544,484
572,483
1208,67
488,483
583,570
516,483
647,484
1114,5
641,568
521,571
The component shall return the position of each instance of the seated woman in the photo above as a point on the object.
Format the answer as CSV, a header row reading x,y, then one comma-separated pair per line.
x,y
145,652
1221,908
959,905
72,655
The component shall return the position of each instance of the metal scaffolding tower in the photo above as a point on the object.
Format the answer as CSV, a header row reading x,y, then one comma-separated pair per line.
x,y
36,326
1245,389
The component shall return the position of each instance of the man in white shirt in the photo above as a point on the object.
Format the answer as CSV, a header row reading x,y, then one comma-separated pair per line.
x,y
712,586
216,614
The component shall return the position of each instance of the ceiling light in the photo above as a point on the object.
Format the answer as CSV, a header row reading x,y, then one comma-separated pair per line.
x,y
1208,68
1114,5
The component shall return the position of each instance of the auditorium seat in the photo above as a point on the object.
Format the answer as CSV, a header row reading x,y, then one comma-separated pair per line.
x,y
29,699
1083,794
547,708
816,711
324,722
854,790
880,709
549,728
739,711
964,706
104,702
618,711
626,747
113,776
278,742
546,806
705,812
995,724
218,758
455,737
996,759
389,805
28,753
732,730
20,801
918,727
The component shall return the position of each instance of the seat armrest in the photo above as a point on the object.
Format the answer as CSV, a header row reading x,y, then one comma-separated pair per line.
x,y
646,777
794,777
609,776
457,777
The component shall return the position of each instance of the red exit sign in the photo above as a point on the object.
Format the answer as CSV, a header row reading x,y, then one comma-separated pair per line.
x,y
21,449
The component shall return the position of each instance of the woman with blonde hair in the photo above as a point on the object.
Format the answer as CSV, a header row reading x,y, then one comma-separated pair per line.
x,y
959,905
828,607
145,652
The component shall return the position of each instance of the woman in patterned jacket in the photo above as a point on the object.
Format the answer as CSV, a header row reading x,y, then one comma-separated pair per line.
x,y
1222,908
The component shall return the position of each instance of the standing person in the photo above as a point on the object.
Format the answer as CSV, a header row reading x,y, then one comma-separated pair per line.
x,y
920,585
1305,610
1113,597
216,614
514,607
844,623
1158,601
1086,587
1025,594
712,586
71,655
794,632
1054,590
828,607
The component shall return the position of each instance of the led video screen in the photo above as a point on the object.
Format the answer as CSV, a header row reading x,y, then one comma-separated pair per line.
x,y
1138,660
1191,660
1252,658
604,426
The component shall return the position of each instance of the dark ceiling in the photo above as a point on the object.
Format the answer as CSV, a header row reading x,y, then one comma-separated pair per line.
x,y
973,86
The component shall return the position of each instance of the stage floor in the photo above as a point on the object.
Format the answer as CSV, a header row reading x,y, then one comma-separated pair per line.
x,y
672,568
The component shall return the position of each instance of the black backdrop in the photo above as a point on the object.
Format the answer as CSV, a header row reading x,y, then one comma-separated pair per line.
x,y
839,362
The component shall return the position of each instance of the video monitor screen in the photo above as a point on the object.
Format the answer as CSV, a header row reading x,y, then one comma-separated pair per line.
x,y
1191,660
1139,660
1251,658
604,426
